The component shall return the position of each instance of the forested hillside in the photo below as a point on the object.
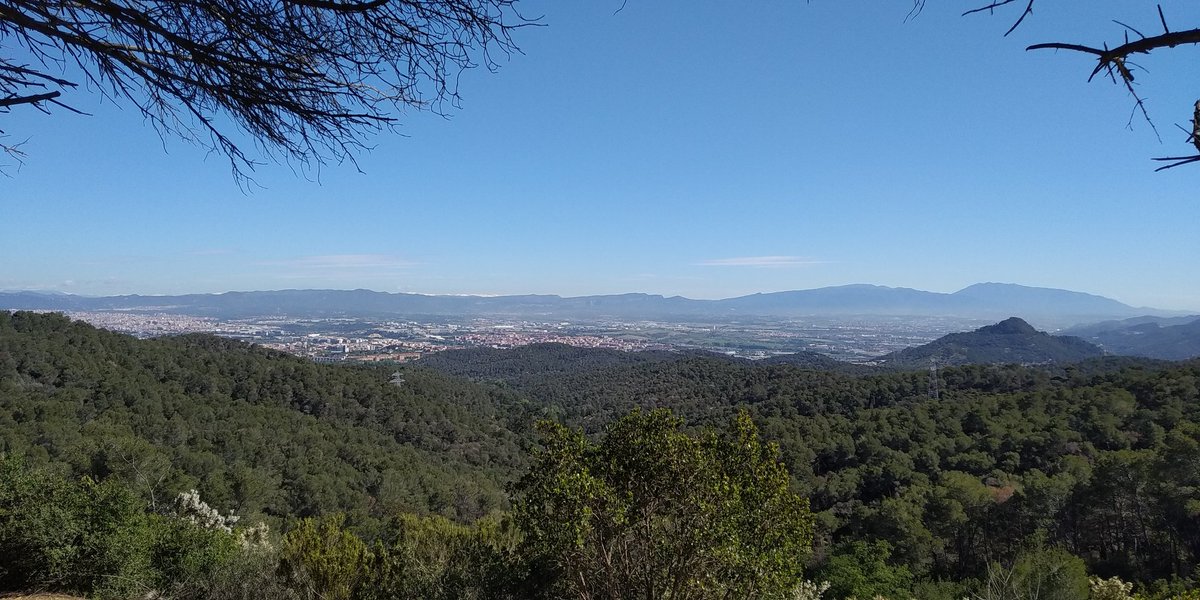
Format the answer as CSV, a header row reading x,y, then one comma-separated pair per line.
x,y
524,365
1009,341
1102,457
917,486
254,430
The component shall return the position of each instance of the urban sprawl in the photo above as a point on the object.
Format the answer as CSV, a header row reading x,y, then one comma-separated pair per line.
x,y
371,340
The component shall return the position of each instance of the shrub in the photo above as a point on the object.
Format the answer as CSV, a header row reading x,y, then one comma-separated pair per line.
x,y
87,537
252,576
1110,589
185,553
96,538
652,511
189,507
810,590
320,558
1038,574
862,570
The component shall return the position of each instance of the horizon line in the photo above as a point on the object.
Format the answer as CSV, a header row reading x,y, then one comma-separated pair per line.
x,y
54,292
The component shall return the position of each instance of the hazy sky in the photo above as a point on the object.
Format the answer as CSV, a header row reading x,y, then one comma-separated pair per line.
x,y
707,149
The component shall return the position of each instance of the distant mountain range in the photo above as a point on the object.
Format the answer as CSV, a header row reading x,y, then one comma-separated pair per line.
x,y
1009,341
1046,306
1168,338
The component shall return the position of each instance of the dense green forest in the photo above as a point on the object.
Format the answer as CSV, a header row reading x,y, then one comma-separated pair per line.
x,y
257,431
425,478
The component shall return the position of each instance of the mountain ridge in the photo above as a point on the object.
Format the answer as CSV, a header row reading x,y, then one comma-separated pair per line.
x,y
1169,338
1049,307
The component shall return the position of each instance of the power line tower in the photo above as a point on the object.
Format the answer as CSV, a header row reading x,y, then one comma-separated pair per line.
x,y
935,391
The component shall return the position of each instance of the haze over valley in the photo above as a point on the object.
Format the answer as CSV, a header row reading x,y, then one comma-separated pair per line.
x,y
852,323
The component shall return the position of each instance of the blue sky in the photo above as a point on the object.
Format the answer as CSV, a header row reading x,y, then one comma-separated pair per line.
x,y
707,149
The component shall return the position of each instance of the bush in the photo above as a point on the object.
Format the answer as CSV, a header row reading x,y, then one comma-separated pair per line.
x,y
87,537
810,590
96,539
1038,574
862,570
1110,589
431,558
115,542
942,589
252,576
184,553
36,533
650,510
319,558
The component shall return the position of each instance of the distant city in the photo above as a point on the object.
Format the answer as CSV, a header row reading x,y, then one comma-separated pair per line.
x,y
853,323
372,340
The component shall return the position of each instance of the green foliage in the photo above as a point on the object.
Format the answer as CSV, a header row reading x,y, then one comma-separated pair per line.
x,y
1054,573
95,538
1168,589
1038,574
253,430
184,553
862,570
252,576
322,558
80,536
1101,459
1188,595
652,512
434,558
941,589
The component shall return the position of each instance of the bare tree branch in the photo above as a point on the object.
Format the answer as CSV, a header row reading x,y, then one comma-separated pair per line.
x,y
309,79
13,151
1116,56
1114,62
1193,139
33,99
997,4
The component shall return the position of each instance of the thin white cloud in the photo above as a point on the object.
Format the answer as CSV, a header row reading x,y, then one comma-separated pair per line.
x,y
761,261
108,284
210,252
344,262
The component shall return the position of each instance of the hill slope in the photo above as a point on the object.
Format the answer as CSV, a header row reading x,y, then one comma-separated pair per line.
x,y
517,366
953,482
254,429
1009,341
